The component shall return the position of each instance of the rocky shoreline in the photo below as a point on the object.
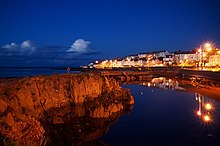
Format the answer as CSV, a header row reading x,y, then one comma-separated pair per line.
x,y
25,102
209,88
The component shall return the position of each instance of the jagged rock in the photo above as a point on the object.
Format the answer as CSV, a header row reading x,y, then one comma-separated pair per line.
x,y
24,101
3,106
9,120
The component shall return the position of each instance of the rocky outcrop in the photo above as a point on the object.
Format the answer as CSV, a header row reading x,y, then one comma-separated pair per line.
x,y
25,101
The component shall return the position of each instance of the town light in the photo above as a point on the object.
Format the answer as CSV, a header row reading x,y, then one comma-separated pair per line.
x,y
209,49
203,49
207,45
208,106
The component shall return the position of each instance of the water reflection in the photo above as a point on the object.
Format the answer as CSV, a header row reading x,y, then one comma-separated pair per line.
x,y
163,83
75,126
205,108
164,116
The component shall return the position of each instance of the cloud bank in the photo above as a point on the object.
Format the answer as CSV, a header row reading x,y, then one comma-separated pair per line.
x,y
11,46
27,53
26,47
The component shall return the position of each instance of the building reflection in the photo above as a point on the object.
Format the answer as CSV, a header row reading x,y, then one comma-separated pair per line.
x,y
163,83
205,108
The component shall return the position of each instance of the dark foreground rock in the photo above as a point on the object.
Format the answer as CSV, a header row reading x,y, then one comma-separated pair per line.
x,y
28,103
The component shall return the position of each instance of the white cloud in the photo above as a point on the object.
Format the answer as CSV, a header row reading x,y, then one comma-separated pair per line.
x,y
26,47
10,46
79,46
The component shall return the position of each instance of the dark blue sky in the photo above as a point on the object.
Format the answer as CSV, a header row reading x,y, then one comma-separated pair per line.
x,y
57,32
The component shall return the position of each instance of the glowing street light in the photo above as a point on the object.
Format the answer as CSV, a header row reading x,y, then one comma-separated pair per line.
x,y
202,49
209,49
207,45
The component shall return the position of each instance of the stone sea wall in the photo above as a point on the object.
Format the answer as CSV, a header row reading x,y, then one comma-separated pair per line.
x,y
25,101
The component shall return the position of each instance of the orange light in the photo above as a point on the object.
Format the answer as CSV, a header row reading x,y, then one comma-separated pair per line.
x,y
209,49
206,118
207,45
199,50
199,113
208,106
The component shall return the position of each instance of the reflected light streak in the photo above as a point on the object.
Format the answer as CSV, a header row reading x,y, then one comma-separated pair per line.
x,y
199,113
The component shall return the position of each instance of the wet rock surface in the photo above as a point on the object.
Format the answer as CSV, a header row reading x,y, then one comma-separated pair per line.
x,y
196,81
32,104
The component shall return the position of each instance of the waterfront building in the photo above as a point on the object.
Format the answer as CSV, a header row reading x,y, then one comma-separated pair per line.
x,y
144,62
142,55
186,58
119,62
214,60
168,59
163,58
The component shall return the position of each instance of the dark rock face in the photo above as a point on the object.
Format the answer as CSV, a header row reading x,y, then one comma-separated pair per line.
x,y
27,101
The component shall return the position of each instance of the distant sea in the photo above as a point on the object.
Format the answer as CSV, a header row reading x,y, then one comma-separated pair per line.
x,y
10,72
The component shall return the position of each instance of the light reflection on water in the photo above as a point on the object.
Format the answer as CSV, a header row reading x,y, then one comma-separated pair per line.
x,y
167,117
163,83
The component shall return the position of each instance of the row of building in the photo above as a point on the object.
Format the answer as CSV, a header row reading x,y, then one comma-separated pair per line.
x,y
194,58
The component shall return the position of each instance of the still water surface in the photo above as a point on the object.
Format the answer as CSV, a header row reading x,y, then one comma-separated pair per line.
x,y
160,116
166,117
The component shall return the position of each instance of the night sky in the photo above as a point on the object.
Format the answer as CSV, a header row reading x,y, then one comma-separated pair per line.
x,y
75,32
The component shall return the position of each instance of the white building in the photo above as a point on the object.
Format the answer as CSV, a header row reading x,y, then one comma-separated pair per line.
x,y
214,60
181,57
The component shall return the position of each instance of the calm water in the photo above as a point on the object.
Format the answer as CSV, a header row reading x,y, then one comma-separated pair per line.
x,y
166,117
160,116
17,72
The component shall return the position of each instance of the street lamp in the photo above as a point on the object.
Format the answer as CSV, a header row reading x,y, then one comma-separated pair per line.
x,y
206,47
